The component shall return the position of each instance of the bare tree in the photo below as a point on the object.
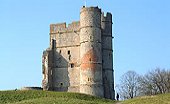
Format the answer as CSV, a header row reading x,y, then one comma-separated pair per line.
x,y
155,82
161,79
146,87
128,87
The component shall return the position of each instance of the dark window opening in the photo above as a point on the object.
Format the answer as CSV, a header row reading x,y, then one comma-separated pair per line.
x,y
88,79
90,37
61,84
53,43
69,57
60,51
72,65
68,52
90,59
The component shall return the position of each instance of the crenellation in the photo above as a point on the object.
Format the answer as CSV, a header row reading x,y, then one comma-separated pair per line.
x,y
54,28
109,17
106,17
74,26
95,9
62,27
80,57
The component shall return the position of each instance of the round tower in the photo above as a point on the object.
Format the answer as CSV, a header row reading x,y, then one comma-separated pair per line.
x,y
91,81
107,55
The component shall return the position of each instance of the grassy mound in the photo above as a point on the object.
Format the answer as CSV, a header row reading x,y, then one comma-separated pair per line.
x,y
48,97
157,99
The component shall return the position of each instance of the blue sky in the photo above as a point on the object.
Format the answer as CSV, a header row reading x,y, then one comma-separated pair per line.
x,y
141,29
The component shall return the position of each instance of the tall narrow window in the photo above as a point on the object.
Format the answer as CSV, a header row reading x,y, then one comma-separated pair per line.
x,y
53,43
69,57
88,79
68,52
72,65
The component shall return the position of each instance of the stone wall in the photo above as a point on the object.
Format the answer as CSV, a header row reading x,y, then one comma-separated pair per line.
x,y
66,70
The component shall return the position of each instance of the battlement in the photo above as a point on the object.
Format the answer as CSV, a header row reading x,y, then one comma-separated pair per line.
x,y
62,27
96,9
107,17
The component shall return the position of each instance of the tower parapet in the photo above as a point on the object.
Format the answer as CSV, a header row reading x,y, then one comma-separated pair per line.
x,y
106,24
62,27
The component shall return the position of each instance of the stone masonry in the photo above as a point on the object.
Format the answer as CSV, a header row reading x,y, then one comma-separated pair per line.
x,y
80,57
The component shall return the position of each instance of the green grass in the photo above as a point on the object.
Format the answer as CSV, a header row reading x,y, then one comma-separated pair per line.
x,y
157,99
48,97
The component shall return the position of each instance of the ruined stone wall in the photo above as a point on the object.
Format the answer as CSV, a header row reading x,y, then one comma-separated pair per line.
x,y
91,52
47,66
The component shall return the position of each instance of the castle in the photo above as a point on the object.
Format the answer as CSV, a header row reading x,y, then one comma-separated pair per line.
x,y
80,56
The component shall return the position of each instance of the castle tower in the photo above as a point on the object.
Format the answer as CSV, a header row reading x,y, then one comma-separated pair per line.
x,y
79,58
91,81
107,55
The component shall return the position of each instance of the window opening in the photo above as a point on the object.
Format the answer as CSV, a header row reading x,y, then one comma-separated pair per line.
x,y
53,43
68,52
90,37
69,57
88,79
72,65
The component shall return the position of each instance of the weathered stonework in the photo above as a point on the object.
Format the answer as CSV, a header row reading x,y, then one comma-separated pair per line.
x,y
80,57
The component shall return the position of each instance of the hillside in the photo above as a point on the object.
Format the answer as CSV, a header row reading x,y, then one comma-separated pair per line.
x,y
48,97
157,99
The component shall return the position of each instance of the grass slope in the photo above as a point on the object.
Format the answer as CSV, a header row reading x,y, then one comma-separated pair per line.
x,y
157,99
48,97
